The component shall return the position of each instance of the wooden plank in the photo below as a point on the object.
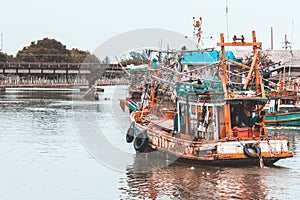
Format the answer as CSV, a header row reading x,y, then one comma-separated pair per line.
x,y
238,64
234,44
250,71
168,124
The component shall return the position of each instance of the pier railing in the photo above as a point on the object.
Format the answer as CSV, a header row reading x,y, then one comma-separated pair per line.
x,y
42,82
47,68
38,65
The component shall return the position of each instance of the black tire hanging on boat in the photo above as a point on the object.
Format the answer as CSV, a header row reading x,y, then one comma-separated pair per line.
x,y
130,133
141,142
254,147
129,138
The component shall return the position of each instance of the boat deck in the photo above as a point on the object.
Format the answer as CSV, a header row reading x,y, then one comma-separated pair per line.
x,y
164,123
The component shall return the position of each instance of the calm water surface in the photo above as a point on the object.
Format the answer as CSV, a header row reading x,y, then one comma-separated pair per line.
x,y
43,156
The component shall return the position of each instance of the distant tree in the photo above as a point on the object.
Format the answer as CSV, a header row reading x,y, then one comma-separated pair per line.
x,y
131,61
91,58
45,50
79,56
51,50
6,58
263,59
2,57
143,56
106,60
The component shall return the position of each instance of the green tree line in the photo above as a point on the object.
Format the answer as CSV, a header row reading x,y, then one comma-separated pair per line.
x,y
50,50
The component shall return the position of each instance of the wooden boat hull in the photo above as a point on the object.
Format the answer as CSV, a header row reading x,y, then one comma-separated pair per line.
x,y
221,153
283,119
229,163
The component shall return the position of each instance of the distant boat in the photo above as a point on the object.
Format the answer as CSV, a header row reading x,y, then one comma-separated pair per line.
x,y
132,67
282,109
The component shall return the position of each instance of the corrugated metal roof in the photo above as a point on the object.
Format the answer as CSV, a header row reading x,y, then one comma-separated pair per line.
x,y
285,57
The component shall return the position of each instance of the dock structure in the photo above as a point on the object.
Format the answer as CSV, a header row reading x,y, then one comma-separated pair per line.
x,y
38,74
34,68
40,68
61,85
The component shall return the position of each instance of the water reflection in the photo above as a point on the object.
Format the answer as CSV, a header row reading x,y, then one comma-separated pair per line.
x,y
31,94
145,178
185,181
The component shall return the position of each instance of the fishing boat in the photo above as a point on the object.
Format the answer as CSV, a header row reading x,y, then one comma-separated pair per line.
x,y
135,89
211,124
282,108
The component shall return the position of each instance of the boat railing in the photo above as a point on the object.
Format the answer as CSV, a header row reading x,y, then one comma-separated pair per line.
x,y
213,90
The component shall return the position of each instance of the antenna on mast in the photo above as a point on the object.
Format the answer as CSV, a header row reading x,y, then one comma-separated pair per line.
x,y
286,43
227,21
272,38
1,42
292,31
197,27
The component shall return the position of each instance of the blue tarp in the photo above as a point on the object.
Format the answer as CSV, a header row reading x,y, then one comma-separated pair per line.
x,y
206,57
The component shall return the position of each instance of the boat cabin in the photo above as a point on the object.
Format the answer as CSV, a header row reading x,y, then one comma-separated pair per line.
x,y
201,112
282,101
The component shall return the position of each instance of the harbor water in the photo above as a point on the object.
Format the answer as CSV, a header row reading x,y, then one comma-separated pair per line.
x,y
55,145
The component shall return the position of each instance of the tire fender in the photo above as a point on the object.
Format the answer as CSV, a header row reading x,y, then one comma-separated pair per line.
x,y
254,147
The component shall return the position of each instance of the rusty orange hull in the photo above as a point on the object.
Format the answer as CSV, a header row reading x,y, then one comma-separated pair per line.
x,y
221,152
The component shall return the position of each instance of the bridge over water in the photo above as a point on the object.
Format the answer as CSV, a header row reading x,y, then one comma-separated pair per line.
x,y
35,74
21,68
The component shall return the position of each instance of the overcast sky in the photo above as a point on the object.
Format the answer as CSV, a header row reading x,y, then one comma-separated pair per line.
x,y
87,24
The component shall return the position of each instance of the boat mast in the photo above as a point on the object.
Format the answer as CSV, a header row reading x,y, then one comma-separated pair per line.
x,y
254,67
152,73
228,128
255,52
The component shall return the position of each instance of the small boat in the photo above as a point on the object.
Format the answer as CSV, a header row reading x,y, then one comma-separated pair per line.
x,y
210,124
98,92
282,108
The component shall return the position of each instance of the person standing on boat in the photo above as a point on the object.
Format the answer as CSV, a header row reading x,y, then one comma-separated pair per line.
x,y
259,124
145,100
237,122
175,123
